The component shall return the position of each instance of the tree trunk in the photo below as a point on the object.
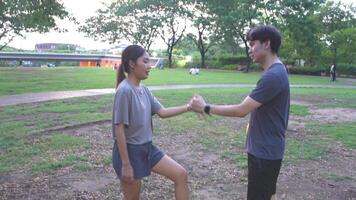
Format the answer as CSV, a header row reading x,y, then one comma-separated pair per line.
x,y
247,55
202,50
202,54
334,56
169,51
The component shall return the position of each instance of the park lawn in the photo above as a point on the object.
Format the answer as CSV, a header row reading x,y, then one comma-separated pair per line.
x,y
29,136
344,132
326,97
30,80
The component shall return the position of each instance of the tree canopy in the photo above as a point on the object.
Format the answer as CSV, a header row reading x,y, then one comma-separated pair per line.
x,y
316,32
19,16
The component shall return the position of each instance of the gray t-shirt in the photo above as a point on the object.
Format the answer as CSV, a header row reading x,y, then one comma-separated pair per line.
x,y
268,123
134,108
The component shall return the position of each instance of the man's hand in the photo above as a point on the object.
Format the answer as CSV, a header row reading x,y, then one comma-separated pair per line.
x,y
198,104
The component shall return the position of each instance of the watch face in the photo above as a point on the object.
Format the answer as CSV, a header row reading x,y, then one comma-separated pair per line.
x,y
207,109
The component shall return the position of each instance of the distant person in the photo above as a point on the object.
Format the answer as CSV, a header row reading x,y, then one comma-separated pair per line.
x,y
194,71
268,105
97,64
160,64
134,155
197,71
115,67
332,73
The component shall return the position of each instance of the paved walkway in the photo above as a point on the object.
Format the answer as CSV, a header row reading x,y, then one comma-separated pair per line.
x,y
47,96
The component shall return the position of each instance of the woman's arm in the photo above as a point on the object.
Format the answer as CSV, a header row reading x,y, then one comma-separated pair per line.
x,y
173,111
127,171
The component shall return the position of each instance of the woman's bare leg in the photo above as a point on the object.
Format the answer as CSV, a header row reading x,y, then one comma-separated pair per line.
x,y
171,169
131,190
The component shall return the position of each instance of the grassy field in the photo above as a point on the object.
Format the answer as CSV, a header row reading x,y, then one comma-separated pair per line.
x,y
28,80
72,137
19,128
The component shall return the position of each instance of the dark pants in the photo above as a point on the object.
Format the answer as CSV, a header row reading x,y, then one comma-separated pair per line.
x,y
262,178
333,76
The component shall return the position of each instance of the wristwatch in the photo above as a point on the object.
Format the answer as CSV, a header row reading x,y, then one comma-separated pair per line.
x,y
207,109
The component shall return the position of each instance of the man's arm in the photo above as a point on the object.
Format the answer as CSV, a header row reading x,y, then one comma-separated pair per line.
x,y
238,110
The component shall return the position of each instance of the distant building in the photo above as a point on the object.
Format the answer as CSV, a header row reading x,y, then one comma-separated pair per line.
x,y
63,59
48,47
117,50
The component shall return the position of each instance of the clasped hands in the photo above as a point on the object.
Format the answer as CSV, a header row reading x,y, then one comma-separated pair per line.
x,y
197,104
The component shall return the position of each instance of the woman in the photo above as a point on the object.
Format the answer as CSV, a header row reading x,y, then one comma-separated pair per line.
x,y
134,155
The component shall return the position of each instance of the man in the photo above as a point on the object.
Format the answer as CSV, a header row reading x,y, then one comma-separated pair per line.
x,y
268,104
332,73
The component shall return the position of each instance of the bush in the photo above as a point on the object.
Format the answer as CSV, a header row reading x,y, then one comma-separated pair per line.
x,y
315,71
346,69
342,69
288,61
255,67
230,67
231,59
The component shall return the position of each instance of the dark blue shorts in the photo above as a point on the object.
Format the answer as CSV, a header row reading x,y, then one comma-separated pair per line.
x,y
143,158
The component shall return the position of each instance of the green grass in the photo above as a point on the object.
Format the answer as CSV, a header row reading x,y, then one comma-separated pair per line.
x,y
107,160
299,110
16,156
26,142
319,138
326,98
344,133
48,166
25,122
310,148
19,123
81,166
29,80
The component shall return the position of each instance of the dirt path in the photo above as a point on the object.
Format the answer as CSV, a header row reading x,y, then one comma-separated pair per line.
x,y
211,177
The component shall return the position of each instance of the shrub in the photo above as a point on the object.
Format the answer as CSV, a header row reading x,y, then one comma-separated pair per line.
x,y
231,59
230,67
346,69
315,71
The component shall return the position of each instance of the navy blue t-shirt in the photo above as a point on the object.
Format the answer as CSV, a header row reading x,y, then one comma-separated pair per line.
x,y
268,123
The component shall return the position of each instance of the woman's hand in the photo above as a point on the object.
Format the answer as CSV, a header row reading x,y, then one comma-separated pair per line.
x,y
127,173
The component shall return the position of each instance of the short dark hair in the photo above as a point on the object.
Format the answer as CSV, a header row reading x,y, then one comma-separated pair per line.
x,y
264,33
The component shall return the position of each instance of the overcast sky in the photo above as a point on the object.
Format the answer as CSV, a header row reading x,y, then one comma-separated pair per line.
x,y
81,9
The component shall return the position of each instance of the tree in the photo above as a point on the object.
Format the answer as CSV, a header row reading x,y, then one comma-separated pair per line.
x,y
173,15
204,36
334,18
17,17
299,27
171,35
120,20
234,18
345,42
187,46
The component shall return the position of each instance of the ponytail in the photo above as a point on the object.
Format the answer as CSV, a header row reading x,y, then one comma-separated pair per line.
x,y
120,75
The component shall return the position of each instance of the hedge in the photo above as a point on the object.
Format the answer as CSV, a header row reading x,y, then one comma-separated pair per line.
x,y
341,69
